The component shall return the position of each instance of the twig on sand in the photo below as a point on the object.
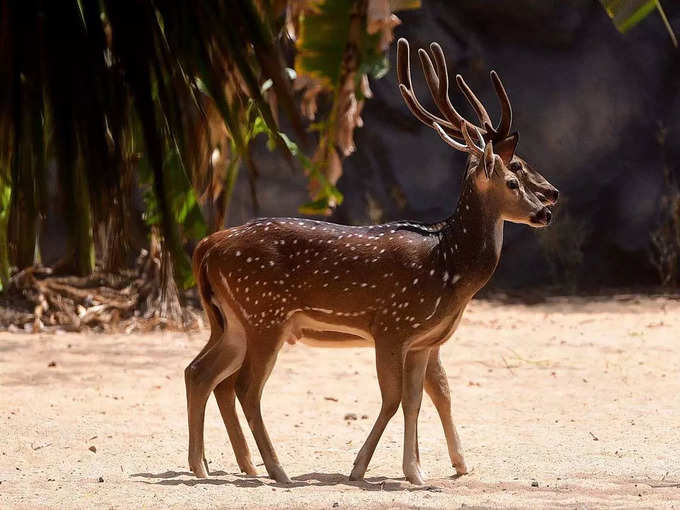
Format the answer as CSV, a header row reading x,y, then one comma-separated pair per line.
x,y
507,365
34,448
543,363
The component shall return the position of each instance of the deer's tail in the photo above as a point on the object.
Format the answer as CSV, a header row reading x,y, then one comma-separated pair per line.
x,y
205,291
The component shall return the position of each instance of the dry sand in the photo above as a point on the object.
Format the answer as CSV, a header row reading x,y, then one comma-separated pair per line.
x,y
578,397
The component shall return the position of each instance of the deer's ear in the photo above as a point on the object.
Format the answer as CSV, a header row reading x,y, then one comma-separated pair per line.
x,y
488,160
506,147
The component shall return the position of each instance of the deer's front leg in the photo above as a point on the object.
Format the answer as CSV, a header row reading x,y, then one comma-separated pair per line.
x,y
437,387
389,362
412,395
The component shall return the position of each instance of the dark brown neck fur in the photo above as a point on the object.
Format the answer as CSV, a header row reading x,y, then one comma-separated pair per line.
x,y
470,243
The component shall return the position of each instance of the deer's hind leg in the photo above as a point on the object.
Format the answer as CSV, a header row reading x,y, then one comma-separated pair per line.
x,y
250,383
225,395
218,360
216,332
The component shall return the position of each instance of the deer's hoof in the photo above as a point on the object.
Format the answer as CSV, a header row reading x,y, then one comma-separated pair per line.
x,y
461,469
199,470
357,474
414,476
278,474
249,469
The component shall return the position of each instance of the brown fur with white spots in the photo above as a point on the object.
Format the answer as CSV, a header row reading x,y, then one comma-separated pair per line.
x,y
400,287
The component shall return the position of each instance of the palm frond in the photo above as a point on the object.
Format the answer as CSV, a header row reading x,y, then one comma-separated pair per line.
x,y
341,42
625,14
166,95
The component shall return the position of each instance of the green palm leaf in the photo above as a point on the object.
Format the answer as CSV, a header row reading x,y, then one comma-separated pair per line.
x,y
627,13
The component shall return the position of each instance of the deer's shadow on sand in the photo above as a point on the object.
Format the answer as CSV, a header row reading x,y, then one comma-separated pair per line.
x,y
376,483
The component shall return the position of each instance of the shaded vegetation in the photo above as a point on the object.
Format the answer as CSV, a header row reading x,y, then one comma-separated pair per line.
x,y
168,96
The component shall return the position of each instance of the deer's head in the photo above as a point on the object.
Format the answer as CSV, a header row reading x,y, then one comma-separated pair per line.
x,y
534,181
520,192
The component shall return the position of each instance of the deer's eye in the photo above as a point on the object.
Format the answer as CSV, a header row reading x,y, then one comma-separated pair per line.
x,y
513,184
515,166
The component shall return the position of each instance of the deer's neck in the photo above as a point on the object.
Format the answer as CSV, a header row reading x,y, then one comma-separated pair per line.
x,y
471,243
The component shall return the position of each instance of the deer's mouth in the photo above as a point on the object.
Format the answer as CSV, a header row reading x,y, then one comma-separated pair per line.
x,y
542,218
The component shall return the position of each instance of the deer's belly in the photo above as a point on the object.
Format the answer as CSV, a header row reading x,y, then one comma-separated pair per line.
x,y
314,331
311,329
333,339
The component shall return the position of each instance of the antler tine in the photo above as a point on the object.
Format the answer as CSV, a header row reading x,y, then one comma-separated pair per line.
x,y
472,147
506,108
469,146
442,95
503,128
435,84
431,77
407,92
453,143
414,106
477,105
438,83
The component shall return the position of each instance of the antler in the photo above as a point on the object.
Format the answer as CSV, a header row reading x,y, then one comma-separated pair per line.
x,y
439,87
437,80
503,129
409,95
470,146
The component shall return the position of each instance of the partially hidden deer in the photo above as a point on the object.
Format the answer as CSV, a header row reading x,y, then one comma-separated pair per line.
x,y
400,287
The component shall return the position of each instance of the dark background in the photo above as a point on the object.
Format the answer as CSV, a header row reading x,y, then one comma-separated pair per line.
x,y
589,104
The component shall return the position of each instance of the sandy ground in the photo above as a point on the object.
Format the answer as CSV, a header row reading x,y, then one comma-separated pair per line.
x,y
568,404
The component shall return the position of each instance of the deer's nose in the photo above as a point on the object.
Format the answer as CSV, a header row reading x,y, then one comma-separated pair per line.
x,y
553,195
547,215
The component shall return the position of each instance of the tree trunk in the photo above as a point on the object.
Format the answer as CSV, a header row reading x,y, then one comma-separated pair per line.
x,y
27,169
5,200
23,224
80,256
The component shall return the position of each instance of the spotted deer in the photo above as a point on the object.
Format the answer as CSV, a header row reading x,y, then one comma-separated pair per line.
x,y
400,287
